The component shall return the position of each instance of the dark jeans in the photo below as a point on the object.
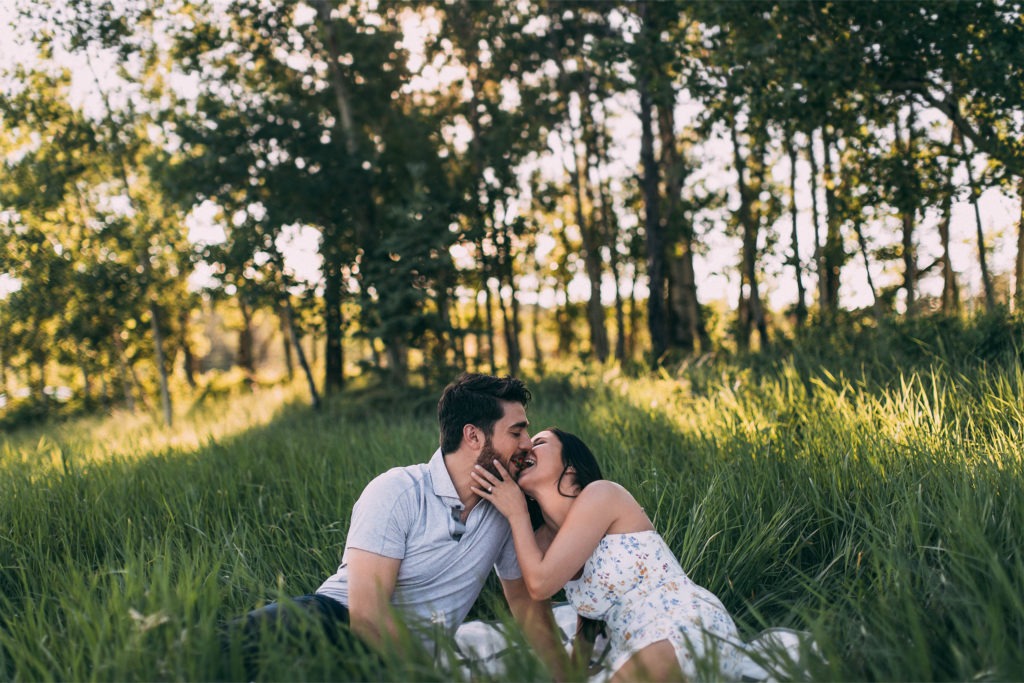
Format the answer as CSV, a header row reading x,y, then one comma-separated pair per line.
x,y
292,618
297,614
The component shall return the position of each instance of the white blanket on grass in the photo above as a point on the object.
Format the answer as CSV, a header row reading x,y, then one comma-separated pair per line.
x,y
774,654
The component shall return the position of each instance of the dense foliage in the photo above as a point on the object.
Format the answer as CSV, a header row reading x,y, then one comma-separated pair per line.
x,y
489,185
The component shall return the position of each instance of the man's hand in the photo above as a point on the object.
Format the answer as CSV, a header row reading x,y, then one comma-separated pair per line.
x,y
371,583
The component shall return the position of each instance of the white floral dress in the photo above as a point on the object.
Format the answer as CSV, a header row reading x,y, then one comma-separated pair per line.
x,y
636,586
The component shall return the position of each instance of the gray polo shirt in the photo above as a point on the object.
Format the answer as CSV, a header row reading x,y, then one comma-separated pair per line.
x,y
412,514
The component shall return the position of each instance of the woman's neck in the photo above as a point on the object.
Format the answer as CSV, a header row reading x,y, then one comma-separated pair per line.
x,y
554,507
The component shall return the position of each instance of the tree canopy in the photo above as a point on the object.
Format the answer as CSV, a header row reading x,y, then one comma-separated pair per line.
x,y
493,185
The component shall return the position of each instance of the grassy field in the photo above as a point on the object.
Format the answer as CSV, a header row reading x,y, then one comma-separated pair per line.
x,y
883,513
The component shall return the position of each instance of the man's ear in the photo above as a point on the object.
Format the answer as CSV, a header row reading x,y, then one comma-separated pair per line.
x,y
472,436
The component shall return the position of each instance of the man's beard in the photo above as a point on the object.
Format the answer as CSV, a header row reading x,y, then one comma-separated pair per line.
x,y
488,455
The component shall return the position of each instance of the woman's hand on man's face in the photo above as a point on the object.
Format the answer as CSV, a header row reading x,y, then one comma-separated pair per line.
x,y
500,491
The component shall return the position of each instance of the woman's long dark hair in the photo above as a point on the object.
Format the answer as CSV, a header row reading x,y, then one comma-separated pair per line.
x,y
577,456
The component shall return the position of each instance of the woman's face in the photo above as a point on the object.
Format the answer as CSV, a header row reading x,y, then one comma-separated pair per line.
x,y
546,459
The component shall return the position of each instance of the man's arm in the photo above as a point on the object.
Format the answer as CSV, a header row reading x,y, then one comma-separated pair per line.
x,y
538,623
583,642
371,583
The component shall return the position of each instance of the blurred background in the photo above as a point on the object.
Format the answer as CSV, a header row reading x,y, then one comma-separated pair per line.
x,y
195,194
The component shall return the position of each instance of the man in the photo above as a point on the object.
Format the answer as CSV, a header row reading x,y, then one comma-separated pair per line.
x,y
421,544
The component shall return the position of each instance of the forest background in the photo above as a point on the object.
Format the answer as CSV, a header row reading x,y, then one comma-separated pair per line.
x,y
393,191
767,258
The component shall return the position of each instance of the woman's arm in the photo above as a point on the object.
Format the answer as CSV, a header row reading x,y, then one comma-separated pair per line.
x,y
589,518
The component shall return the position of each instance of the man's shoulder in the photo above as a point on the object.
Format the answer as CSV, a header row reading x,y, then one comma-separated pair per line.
x,y
399,480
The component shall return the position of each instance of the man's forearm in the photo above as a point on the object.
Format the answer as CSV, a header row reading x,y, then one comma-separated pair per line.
x,y
583,644
381,631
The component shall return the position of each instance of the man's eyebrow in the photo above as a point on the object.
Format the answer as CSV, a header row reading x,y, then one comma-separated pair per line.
x,y
520,425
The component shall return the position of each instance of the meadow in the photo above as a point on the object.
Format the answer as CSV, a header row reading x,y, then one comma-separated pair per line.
x,y
877,505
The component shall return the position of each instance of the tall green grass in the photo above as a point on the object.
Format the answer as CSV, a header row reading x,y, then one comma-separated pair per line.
x,y
882,516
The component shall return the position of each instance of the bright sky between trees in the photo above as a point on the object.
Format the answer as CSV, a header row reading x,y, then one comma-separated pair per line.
x,y
716,268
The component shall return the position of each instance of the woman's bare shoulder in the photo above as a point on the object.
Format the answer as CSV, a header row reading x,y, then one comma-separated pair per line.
x,y
628,515
606,490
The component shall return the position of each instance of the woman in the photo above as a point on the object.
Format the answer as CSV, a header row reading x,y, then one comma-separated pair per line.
x,y
598,543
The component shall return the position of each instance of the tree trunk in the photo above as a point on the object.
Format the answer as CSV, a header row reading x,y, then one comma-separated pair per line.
x,y
286,342
334,366
288,319
509,326
516,328
633,318
620,315
3,374
244,357
909,262
104,391
122,365
441,352
908,211
492,361
950,290
161,364
751,310
458,332
341,97
833,250
83,366
478,331
398,362
801,296
579,174
863,244
538,354
378,360
564,320
608,223
510,310
819,251
610,230
334,354
40,361
1018,267
462,24
189,358
655,241
986,278
685,320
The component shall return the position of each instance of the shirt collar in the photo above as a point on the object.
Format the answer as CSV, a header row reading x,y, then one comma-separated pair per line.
x,y
444,488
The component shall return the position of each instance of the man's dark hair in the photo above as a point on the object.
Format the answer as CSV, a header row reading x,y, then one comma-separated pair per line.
x,y
475,399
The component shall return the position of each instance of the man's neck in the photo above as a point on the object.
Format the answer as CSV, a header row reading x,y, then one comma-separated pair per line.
x,y
459,465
